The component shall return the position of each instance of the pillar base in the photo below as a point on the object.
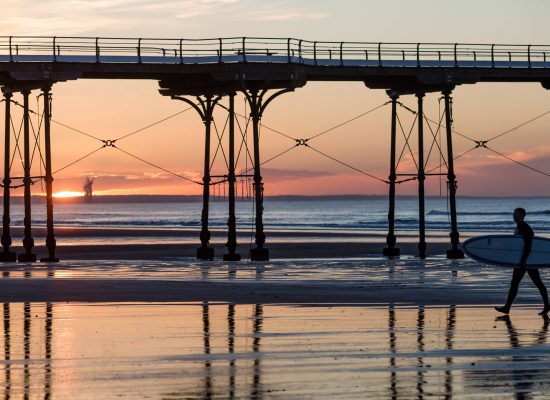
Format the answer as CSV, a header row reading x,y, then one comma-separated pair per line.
x,y
259,254
49,259
26,257
8,256
391,251
455,254
205,253
231,257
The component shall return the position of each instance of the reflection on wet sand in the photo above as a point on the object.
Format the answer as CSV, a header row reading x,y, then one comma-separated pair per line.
x,y
525,370
216,350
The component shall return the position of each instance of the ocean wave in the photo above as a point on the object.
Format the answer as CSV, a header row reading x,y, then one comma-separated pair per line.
x,y
486,213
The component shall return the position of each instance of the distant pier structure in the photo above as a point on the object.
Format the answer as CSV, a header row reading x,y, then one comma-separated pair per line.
x,y
203,72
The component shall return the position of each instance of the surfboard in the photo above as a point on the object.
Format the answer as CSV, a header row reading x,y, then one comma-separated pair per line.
x,y
506,250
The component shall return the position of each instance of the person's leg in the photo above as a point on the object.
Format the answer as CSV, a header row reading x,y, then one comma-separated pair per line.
x,y
514,285
535,277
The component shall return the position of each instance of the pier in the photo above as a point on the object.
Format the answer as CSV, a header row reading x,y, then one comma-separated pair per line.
x,y
202,72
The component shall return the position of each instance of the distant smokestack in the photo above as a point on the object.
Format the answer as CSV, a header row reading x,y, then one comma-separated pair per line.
x,y
88,190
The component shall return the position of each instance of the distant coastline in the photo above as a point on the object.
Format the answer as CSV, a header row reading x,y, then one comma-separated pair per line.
x,y
144,198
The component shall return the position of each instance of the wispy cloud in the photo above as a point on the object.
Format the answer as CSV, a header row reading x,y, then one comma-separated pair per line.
x,y
277,175
139,17
292,15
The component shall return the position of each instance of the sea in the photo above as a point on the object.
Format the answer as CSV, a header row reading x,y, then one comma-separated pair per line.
x,y
324,217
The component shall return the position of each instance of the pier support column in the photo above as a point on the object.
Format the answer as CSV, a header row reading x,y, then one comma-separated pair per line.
x,y
50,234
454,252
421,179
258,105
28,241
391,250
7,255
207,104
231,222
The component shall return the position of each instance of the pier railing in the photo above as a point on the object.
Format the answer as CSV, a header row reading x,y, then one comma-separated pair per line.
x,y
283,50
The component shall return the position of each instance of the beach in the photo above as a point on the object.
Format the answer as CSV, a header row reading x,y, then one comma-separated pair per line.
x,y
283,329
129,312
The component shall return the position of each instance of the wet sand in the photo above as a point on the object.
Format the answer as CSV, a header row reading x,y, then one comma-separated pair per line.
x,y
224,351
364,327
277,250
366,281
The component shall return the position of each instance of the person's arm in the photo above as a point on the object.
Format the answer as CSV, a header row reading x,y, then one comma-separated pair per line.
x,y
527,242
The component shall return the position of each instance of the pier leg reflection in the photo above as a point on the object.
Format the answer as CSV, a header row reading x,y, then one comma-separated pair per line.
x,y
207,363
256,392
392,339
231,348
449,336
420,346
25,381
7,351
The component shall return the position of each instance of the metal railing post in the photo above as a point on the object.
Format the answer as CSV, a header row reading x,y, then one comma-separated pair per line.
x,y
529,56
341,53
288,49
139,50
244,49
418,55
380,54
54,56
493,56
315,52
181,51
456,60
11,55
97,51
221,50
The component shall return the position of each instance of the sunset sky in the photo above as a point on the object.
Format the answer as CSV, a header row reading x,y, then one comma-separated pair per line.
x,y
111,109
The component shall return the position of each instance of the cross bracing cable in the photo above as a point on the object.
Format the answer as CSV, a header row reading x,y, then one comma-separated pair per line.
x,y
347,165
60,123
432,121
348,121
518,162
156,166
454,158
78,160
520,125
266,127
219,146
435,141
154,123
406,137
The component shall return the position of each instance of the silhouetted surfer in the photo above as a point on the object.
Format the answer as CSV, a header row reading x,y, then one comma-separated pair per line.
x,y
525,230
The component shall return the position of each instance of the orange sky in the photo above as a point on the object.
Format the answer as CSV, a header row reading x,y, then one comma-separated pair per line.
x,y
110,109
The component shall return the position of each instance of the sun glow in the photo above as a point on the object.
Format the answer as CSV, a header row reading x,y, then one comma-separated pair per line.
x,y
68,194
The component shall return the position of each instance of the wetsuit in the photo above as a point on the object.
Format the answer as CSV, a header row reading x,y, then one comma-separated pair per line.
x,y
525,230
